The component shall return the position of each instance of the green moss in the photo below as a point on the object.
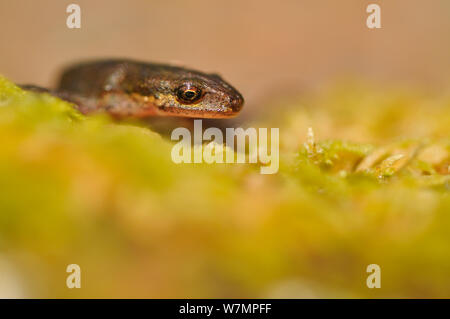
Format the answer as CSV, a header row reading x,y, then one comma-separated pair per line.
x,y
370,186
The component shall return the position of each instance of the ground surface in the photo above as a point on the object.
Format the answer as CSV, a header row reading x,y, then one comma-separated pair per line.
x,y
368,184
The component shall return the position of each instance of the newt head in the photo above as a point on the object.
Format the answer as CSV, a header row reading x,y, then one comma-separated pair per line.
x,y
125,88
176,91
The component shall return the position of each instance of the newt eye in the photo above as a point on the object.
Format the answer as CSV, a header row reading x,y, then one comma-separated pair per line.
x,y
188,94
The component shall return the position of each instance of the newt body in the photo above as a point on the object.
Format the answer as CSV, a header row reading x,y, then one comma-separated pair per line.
x,y
125,88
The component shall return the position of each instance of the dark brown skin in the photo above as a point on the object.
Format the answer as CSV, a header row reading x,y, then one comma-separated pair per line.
x,y
126,89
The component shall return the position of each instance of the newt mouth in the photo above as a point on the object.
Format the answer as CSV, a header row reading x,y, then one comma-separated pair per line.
x,y
196,113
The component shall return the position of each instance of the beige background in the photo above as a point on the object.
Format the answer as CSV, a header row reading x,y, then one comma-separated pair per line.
x,y
262,47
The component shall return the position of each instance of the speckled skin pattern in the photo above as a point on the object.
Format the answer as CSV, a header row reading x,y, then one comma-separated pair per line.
x,y
125,88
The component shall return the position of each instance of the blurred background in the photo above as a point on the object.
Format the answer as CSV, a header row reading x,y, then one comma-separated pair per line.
x,y
108,197
264,48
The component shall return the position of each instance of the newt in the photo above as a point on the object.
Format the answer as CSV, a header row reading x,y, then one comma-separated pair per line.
x,y
132,89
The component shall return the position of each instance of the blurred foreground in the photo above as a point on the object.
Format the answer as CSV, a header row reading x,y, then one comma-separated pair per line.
x,y
371,186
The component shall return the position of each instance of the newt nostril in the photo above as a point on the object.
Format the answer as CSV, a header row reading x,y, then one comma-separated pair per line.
x,y
237,102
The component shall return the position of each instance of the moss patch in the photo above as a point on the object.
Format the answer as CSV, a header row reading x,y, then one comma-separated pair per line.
x,y
368,183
